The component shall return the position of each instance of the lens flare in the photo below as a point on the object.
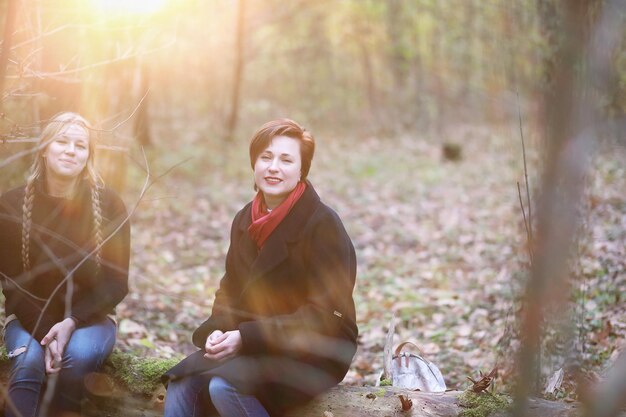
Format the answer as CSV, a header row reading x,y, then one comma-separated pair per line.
x,y
128,7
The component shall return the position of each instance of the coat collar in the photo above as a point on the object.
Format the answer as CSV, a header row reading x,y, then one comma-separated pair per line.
x,y
82,191
289,230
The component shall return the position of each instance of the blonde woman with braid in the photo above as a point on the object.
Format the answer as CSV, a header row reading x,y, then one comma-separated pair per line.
x,y
64,254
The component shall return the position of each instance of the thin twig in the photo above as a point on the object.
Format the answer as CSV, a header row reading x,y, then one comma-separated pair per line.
x,y
583,312
130,116
528,235
47,397
69,26
27,152
18,155
147,185
19,287
144,189
25,140
530,213
57,74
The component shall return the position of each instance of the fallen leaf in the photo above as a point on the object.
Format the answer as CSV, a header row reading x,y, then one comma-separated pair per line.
x,y
483,383
406,402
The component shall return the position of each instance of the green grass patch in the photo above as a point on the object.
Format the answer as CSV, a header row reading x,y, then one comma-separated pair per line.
x,y
482,404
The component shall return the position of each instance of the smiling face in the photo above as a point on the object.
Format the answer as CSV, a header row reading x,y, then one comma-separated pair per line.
x,y
67,153
277,169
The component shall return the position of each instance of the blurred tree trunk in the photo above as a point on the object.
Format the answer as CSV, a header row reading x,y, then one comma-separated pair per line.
x,y
237,72
9,24
439,73
468,60
397,52
548,24
370,84
62,92
511,20
141,87
37,32
403,60
364,38
570,117
548,18
416,90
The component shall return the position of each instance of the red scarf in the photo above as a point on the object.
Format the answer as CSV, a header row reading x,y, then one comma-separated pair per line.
x,y
264,222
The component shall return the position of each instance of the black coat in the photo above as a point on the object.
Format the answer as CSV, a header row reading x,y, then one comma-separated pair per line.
x,y
291,301
61,236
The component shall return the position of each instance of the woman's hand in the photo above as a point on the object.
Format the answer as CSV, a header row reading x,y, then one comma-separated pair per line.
x,y
60,334
53,357
222,346
212,337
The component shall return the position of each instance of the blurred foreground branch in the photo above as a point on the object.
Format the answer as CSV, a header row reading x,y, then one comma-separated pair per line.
x,y
572,118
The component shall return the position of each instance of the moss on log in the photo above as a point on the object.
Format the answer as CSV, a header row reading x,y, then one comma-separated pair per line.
x,y
138,375
482,404
128,385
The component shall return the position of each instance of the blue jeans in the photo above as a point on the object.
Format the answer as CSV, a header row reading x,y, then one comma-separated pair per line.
x,y
202,396
86,351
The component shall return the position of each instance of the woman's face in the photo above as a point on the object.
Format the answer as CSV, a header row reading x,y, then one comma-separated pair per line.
x,y
67,153
277,169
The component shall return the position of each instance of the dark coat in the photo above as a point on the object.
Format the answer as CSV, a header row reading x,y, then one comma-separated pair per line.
x,y
61,237
291,301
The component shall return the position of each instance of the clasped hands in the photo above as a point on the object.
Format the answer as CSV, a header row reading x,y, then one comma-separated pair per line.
x,y
221,346
55,342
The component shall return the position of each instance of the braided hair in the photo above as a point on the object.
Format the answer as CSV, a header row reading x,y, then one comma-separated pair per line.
x,y
55,126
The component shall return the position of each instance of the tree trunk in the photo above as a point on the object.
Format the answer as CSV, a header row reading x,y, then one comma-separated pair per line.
x,y
571,117
9,23
141,85
397,54
237,73
372,96
439,71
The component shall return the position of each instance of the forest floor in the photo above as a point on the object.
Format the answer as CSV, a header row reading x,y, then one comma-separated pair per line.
x,y
439,244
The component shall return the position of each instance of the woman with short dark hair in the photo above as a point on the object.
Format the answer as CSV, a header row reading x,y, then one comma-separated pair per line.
x,y
283,326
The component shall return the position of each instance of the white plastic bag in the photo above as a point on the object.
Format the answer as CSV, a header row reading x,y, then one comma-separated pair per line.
x,y
412,371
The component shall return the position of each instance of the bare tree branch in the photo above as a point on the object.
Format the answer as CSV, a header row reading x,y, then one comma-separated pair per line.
x,y
59,75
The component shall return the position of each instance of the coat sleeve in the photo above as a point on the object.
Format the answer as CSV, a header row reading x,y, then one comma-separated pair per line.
x,y
223,316
326,320
111,285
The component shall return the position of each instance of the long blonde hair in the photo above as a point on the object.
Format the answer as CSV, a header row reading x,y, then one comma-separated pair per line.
x,y
37,171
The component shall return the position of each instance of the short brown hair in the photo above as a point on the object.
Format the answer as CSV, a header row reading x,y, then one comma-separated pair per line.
x,y
284,127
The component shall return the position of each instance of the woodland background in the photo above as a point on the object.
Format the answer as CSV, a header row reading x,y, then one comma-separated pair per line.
x,y
418,108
